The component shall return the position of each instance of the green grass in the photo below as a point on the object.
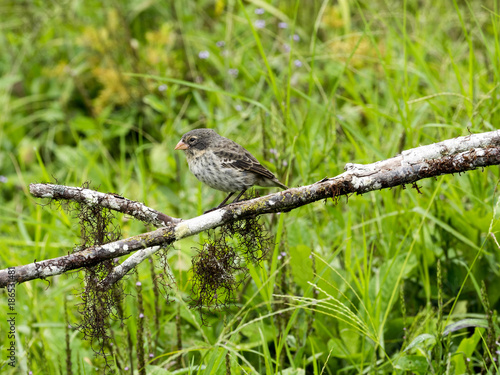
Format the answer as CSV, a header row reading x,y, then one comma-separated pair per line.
x,y
102,92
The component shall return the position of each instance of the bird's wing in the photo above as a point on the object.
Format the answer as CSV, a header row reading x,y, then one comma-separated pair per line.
x,y
244,160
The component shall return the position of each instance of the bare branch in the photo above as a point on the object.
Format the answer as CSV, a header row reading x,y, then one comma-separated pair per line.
x,y
451,156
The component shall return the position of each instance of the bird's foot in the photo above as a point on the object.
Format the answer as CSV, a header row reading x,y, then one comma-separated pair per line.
x,y
216,208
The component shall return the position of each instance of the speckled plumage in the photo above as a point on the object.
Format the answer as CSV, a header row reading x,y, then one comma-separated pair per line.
x,y
223,164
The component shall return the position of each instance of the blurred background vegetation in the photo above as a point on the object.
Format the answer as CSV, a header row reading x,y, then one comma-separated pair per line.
x,y
101,91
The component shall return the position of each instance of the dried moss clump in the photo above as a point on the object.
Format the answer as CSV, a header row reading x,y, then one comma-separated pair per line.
x,y
98,306
219,267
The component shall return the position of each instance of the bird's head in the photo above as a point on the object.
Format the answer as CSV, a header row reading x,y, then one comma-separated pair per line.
x,y
196,140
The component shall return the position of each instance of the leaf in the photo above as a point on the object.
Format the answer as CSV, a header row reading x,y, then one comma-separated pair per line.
x,y
466,349
420,339
338,349
84,124
465,323
157,104
301,265
413,363
293,371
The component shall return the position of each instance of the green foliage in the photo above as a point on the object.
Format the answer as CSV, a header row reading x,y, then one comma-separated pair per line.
x,y
101,91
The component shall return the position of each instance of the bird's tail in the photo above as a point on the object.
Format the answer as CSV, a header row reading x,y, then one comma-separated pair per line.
x,y
279,184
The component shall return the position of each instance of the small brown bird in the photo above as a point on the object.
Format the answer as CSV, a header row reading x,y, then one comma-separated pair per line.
x,y
223,164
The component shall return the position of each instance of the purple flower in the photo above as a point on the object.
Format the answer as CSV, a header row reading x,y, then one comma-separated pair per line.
x,y
204,55
151,355
3,179
286,47
285,163
220,44
273,151
138,283
296,37
259,24
283,25
238,107
162,88
259,11
141,315
297,63
283,254
233,72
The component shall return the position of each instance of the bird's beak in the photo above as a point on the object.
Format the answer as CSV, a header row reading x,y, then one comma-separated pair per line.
x,y
181,146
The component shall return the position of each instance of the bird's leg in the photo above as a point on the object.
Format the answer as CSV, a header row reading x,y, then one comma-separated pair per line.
x,y
238,197
225,200
220,205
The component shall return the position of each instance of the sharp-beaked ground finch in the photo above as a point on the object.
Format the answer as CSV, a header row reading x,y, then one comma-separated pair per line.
x,y
223,164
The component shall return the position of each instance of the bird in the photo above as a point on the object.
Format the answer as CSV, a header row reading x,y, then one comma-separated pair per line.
x,y
223,164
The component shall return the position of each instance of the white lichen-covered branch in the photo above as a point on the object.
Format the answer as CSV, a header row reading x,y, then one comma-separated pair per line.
x,y
111,201
447,157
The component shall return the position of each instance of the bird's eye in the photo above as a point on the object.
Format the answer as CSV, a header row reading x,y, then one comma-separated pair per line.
x,y
192,139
